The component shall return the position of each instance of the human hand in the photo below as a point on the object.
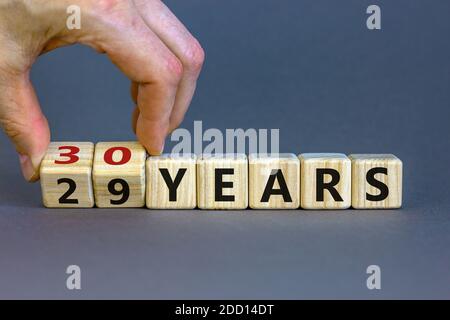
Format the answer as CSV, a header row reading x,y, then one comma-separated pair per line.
x,y
142,37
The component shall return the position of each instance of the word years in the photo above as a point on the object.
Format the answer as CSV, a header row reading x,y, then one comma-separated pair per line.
x,y
120,174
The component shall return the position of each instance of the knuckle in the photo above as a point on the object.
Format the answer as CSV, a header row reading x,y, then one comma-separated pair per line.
x,y
193,56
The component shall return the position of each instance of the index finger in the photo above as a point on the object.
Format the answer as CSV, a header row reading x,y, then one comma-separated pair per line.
x,y
146,60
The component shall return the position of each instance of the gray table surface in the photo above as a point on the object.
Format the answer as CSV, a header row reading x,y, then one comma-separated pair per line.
x,y
310,68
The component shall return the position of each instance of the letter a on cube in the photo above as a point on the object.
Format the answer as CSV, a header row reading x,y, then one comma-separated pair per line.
x,y
274,181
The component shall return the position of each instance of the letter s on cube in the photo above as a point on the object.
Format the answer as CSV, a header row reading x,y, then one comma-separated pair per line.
x,y
376,181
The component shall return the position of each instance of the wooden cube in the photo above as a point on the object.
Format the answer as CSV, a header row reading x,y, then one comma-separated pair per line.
x,y
66,175
222,181
171,182
274,181
325,181
376,181
119,174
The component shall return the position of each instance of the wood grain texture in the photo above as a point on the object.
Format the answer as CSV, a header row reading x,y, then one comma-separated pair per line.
x,y
309,163
206,181
361,164
132,172
80,172
158,192
264,166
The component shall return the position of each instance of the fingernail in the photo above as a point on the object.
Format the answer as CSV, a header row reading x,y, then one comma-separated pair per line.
x,y
28,170
162,148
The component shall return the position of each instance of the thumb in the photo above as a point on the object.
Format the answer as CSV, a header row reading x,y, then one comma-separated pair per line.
x,y
22,120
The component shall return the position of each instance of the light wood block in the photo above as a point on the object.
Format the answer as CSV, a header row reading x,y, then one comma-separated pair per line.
x,y
119,174
222,181
376,181
274,181
171,182
66,175
325,181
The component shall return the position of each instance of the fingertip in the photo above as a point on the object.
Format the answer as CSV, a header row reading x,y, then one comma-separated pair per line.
x,y
32,149
151,135
153,148
30,168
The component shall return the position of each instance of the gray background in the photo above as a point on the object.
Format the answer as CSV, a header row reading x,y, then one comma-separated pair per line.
x,y
310,68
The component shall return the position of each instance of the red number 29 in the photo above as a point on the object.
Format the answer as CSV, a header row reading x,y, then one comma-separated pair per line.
x,y
71,155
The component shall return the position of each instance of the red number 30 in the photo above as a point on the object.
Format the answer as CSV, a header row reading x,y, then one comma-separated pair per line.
x,y
71,155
